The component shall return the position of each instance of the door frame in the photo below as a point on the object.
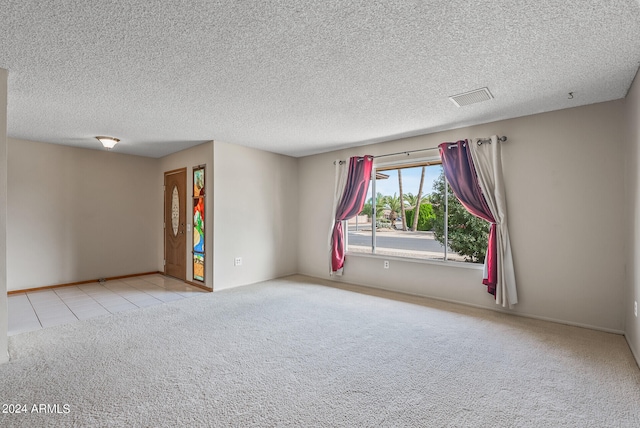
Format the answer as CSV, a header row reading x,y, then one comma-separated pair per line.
x,y
164,219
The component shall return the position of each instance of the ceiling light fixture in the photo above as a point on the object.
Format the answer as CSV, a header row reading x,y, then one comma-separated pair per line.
x,y
108,142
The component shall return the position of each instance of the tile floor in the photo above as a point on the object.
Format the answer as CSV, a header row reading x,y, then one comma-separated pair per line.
x,y
46,308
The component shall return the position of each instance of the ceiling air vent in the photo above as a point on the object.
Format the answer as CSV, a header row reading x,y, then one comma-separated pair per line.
x,y
471,97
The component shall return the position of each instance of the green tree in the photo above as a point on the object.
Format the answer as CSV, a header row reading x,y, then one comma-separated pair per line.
x,y
380,205
468,234
426,217
366,209
410,200
393,204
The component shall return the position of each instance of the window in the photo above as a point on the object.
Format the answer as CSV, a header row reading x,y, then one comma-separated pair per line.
x,y
441,217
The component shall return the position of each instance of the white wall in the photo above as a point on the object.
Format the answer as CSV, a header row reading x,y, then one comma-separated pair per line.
x,y
76,214
4,321
632,166
564,184
256,215
198,155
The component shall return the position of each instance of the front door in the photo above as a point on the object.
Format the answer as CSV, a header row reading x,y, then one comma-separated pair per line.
x,y
175,238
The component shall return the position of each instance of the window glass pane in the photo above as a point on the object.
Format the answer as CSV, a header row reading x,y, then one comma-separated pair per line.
x,y
466,234
395,234
402,236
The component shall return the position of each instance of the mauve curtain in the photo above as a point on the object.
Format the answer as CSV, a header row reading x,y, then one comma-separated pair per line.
x,y
351,203
460,172
341,169
487,160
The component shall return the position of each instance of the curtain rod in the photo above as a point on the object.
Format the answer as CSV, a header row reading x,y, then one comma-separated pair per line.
x,y
480,142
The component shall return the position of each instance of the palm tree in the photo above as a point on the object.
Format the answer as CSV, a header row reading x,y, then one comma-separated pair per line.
x,y
393,204
380,204
403,213
411,200
416,211
367,209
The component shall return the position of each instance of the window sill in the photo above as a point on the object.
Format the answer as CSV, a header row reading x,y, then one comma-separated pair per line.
x,y
453,264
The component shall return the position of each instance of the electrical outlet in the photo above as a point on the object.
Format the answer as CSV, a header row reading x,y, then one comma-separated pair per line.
x,y
635,308
237,261
386,264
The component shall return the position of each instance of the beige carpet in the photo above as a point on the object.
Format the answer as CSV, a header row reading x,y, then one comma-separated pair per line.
x,y
293,353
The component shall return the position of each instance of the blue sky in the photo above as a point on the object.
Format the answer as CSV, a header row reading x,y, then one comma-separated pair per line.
x,y
410,181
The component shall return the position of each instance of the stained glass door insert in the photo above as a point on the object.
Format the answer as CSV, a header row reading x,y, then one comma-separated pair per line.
x,y
198,223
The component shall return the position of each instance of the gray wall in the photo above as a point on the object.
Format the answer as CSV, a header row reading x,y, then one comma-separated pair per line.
x,y
76,214
4,356
255,215
564,184
632,167
81,214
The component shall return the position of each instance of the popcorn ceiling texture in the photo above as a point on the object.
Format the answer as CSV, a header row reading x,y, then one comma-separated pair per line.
x,y
301,77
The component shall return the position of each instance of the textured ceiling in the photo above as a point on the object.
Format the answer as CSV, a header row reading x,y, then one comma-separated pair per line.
x,y
300,77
